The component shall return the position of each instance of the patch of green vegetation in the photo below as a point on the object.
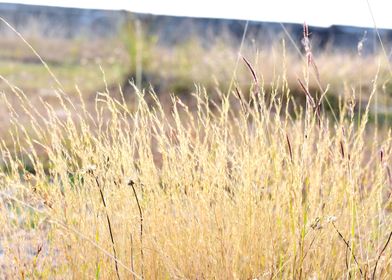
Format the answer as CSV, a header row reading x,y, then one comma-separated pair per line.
x,y
139,46
382,119
33,77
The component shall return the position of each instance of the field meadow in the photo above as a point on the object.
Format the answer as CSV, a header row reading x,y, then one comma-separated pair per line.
x,y
267,164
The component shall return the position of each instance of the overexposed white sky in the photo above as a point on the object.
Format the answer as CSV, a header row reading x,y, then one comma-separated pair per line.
x,y
313,12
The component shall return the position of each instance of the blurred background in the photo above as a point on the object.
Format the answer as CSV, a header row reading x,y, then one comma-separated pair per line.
x,y
174,47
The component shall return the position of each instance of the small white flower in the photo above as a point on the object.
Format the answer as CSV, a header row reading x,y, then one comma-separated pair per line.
x,y
331,219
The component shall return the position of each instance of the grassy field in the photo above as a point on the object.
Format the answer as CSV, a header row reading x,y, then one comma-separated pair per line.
x,y
260,180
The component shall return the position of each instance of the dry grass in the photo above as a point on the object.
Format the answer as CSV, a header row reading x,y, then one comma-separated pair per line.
x,y
244,186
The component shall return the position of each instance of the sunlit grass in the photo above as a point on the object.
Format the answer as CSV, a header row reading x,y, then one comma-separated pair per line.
x,y
238,189
265,183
